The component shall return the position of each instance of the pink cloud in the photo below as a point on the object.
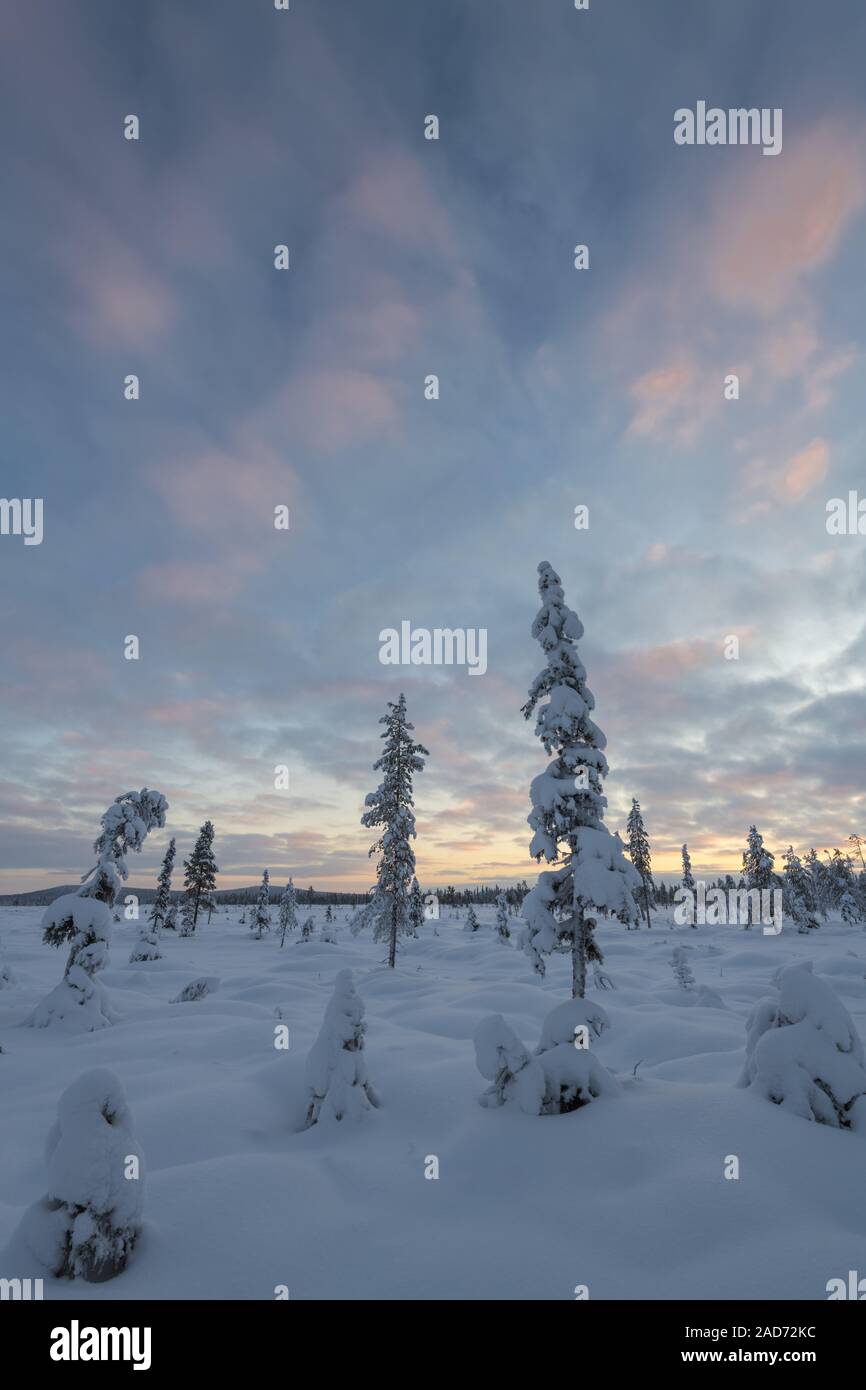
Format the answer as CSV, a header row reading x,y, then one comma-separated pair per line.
x,y
393,194
784,219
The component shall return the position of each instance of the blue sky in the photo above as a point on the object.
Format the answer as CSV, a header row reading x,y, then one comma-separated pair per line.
x,y
558,388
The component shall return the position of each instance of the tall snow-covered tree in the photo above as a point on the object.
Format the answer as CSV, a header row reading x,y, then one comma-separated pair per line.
x,y
87,1224
83,918
260,919
758,862
336,1071
844,887
390,807
201,871
819,879
568,803
798,899
288,911
639,853
416,908
688,876
147,945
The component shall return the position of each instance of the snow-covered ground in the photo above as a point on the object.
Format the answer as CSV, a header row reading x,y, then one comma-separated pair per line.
x,y
627,1195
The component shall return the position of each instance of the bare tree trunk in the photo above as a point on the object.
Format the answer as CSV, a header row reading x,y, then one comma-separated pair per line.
x,y
392,944
646,903
578,954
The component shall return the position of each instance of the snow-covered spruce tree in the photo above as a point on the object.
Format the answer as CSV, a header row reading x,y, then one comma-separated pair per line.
x,y
416,908
170,923
87,1224
798,899
147,945
568,803
288,911
639,853
819,878
844,888
390,807
187,916
681,968
503,931
688,876
201,871
307,929
804,1053
335,1075
471,923
260,919
84,918
516,1077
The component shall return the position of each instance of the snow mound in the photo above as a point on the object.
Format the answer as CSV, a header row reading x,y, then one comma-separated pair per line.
x,y
89,1220
804,1053
336,1070
562,1076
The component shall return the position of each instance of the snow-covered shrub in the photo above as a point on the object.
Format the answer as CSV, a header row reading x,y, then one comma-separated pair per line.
x,y
307,929
681,968
336,1070
329,933
562,1075
87,1224
471,923
804,1053
517,1078
84,918
573,1076
197,989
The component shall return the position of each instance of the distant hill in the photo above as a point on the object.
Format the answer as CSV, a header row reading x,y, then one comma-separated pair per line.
x,y
41,897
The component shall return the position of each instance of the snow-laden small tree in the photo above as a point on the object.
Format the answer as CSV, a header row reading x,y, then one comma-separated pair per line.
x,y
201,871
187,916
87,1224
503,931
688,876
568,803
170,923
147,945
84,918
798,900
804,1053
307,929
335,1075
7,977
471,923
516,1077
416,908
197,989
562,1076
681,968
639,853
288,911
260,920
390,807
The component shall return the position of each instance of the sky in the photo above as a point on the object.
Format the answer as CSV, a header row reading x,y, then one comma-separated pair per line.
x,y
558,388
